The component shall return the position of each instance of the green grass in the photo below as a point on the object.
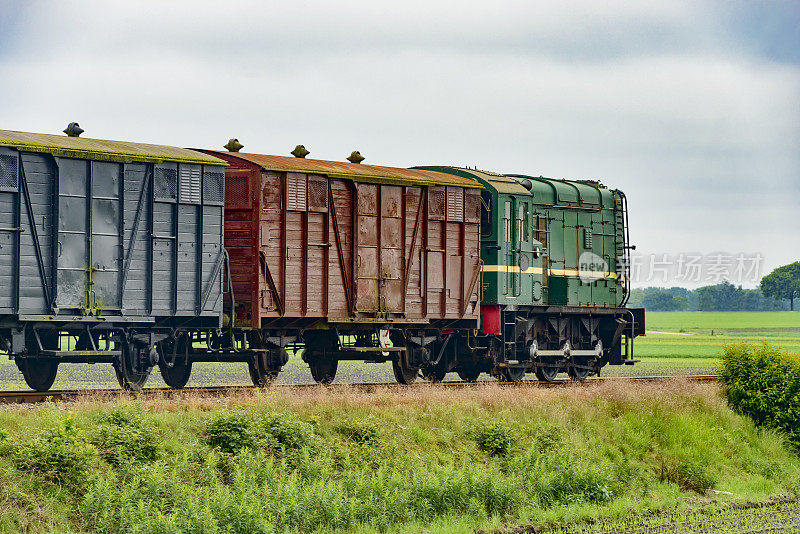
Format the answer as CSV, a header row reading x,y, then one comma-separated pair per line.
x,y
421,460
693,321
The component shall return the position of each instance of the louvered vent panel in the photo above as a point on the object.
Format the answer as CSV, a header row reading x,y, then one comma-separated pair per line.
x,y
8,172
317,194
472,206
190,186
236,191
455,204
296,192
213,185
166,184
436,203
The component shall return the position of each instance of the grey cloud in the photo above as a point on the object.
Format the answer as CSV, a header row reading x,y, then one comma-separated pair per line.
x,y
660,99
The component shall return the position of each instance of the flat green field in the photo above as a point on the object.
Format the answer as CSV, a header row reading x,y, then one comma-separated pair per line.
x,y
682,343
692,340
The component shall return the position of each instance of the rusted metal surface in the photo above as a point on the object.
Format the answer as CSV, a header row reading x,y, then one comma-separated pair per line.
x,y
360,172
310,248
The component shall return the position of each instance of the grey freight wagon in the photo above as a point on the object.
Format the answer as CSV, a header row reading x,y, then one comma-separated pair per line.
x,y
108,251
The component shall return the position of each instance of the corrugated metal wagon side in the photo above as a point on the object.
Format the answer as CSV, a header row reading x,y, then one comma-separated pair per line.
x,y
107,248
345,257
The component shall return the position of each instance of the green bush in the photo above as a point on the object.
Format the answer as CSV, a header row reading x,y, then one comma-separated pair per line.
x,y
282,432
687,474
494,438
122,438
763,382
61,456
230,432
361,432
572,484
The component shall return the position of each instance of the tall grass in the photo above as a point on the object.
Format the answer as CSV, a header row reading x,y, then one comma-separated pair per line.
x,y
339,460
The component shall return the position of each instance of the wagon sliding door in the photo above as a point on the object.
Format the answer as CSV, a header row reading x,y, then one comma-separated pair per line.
x,y
379,262
88,235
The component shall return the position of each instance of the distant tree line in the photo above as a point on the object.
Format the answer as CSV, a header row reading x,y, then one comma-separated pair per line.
x,y
777,291
720,297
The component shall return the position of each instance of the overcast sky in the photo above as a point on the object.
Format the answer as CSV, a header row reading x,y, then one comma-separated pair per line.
x,y
692,108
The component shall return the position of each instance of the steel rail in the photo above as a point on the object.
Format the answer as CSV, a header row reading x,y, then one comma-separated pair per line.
x,y
33,397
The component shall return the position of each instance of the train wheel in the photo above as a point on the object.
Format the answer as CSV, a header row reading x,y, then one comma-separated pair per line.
x,y
581,372
548,369
404,373
512,374
39,373
434,373
261,373
133,366
175,375
178,375
323,370
468,374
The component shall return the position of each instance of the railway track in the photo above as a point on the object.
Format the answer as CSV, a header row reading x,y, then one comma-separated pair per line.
x,y
33,397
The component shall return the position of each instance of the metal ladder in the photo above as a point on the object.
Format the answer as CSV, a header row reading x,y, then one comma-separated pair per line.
x,y
509,332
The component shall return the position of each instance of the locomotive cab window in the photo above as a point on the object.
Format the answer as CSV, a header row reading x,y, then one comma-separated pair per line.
x,y
540,230
507,228
486,214
523,233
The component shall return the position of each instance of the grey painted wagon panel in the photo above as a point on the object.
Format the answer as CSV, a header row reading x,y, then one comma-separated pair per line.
x,y
39,176
97,224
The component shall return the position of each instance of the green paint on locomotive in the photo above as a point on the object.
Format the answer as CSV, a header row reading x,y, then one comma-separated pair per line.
x,y
550,242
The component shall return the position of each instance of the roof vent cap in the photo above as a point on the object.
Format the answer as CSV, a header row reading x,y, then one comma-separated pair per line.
x,y
355,157
233,145
527,184
73,130
300,151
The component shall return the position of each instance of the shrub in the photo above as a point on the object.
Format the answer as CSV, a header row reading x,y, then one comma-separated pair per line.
x,y
689,475
763,382
569,481
494,438
122,438
282,432
61,455
230,432
361,432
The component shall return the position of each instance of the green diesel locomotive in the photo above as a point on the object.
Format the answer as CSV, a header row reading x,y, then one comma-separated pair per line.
x,y
555,282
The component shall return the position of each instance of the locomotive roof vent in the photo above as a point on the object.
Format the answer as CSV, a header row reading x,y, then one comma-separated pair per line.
x,y
233,145
355,157
527,184
73,130
300,151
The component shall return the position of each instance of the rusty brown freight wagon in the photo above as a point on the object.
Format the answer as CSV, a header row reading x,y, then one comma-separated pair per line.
x,y
345,257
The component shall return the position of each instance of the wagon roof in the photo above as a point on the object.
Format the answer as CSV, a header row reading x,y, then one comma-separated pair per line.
x,y
100,149
354,171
